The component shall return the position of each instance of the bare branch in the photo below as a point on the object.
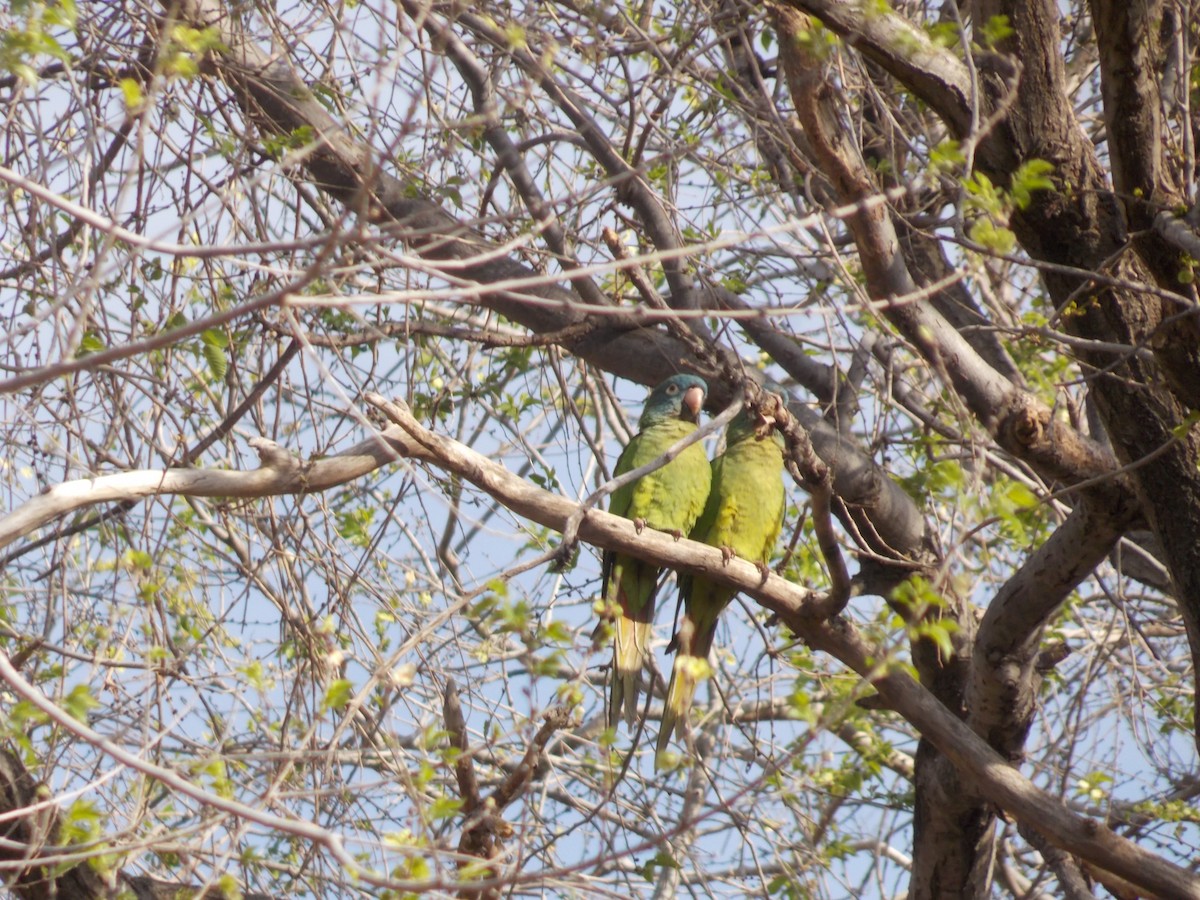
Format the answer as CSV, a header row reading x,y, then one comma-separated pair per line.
x,y
993,777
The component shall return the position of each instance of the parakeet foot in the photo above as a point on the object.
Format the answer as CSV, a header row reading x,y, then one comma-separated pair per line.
x,y
726,555
639,525
564,557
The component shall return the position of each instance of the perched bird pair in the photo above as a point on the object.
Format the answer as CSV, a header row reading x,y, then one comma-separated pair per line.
x,y
736,503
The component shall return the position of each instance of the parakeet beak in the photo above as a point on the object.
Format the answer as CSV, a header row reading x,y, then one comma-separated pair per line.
x,y
693,399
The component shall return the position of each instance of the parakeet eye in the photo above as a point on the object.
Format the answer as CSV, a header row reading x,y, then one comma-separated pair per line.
x,y
673,389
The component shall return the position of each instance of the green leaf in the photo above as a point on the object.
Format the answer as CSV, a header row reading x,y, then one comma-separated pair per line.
x,y
445,808
991,236
983,194
1183,428
994,30
946,156
186,46
514,36
131,90
197,40
1091,786
940,632
63,13
355,525
80,822
277,145
1019,496
661,860
89,344
943,34
22,713
256,675
137,559
218,364
229,887
338,694
78,702
1030,176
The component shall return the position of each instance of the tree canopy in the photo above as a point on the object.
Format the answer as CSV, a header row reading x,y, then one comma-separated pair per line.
x,y
325,325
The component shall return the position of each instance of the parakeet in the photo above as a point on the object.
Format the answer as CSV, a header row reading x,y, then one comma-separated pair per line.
x,y
668,499
743,516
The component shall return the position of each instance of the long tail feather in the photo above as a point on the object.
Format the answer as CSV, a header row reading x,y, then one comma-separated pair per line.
x,y
681,690
630,649
690,668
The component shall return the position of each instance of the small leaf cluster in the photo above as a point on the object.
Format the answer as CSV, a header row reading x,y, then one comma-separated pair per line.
x,y
993,207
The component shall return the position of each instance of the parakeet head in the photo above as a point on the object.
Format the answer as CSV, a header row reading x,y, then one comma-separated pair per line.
x,y
748,425
679,397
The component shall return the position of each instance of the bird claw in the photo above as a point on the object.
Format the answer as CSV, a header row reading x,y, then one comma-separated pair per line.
x,y
563,559
675,533
772,416
726,555
763,570
639,525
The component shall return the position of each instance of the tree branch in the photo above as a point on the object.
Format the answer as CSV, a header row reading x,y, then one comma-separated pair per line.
x,y
274,98
1002,695
977,762
794,604
886,37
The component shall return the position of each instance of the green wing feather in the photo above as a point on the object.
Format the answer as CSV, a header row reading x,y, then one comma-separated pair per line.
x,y
744,514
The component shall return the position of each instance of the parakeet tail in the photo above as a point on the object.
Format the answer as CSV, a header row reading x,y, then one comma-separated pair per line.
x,y
630,649
679,698
690,668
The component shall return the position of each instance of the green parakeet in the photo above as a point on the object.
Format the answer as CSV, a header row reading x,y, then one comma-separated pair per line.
x,y
668,499
743,516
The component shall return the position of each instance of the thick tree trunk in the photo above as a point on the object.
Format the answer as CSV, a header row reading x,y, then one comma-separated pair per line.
x,y
1144,402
